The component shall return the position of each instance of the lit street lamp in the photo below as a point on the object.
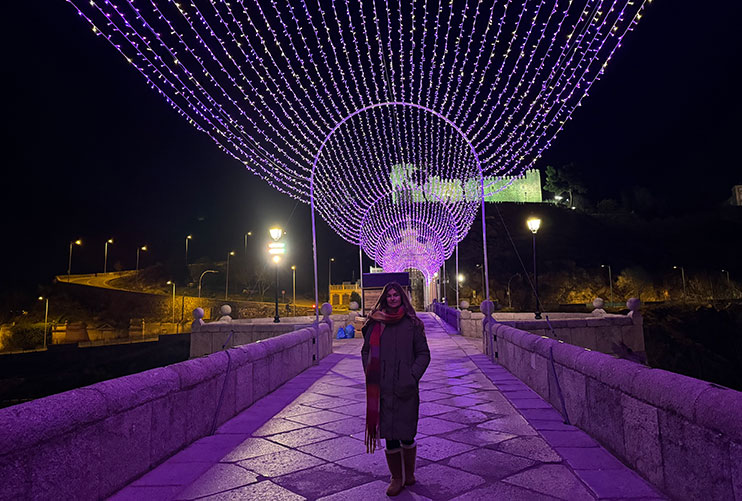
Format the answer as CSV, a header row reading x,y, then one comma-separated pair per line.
x,y
459,281
189,237
293,270
170,282
69,263
610,278
142,248
682,275
105,254
729,281
484,293
329,278
226,288
534,224
277,249
46,316
201,278
248,234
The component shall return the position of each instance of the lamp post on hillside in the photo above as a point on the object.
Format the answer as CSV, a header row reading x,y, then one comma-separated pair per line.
x,y
105,254
610,278
484,286
69,262
201,278
534,224
276,249
729,281
142,248
293,280
248,234
46,316
170,282
682,275
226,287
187,238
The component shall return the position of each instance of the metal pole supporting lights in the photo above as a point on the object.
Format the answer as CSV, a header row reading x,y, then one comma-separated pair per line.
x,y
610,278
201,278
534,224
105,254
293,280
170,282
329,278
276,249
69,262
248,234
142,248
226,287
682,274
46,316
459,281
189,237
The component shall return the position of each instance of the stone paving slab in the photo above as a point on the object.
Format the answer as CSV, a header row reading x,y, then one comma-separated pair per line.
x,y
482,435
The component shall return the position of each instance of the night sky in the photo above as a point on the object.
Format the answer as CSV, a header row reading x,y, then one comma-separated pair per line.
x,y
93,153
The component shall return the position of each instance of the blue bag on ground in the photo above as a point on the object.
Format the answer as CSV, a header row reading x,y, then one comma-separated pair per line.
x,y
341,333
350,331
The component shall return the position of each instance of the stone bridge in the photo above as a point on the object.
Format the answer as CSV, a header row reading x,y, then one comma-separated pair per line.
x,y
285,428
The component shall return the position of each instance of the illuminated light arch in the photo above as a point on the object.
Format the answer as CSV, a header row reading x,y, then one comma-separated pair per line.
x,y
270,80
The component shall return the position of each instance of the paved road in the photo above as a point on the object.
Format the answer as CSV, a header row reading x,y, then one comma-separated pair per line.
x,y
483,435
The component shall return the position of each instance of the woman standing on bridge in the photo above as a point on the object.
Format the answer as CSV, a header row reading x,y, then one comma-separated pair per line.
x,y
394,363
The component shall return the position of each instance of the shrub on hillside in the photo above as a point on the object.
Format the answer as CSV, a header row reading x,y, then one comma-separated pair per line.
x,y
24,337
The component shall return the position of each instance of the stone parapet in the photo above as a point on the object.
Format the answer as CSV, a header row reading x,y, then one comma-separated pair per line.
x,y
607,334
682,434
89,442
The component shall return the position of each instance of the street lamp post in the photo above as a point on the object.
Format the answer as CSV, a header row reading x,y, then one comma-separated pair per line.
x,y
534,224
610,278
484,293
46,316
445,289
187,238
682,275
510,296
201,278
277,249
729,281
226,288
170,282
459,281
329,278
105,254
293,281
248,234
142,248
69,262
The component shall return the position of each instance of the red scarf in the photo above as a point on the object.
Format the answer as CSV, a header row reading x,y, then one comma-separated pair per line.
x,y
373,375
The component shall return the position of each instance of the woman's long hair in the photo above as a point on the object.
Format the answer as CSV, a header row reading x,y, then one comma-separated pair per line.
x,y
382,305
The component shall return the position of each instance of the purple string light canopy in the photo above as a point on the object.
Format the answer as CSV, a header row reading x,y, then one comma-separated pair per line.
x,y
386,117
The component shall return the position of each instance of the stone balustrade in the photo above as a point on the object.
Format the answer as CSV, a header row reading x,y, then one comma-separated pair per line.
x,y
682,434
89,442
598,333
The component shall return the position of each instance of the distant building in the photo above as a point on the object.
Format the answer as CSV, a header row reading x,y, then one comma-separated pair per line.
x,y
340,294
525,188
737,197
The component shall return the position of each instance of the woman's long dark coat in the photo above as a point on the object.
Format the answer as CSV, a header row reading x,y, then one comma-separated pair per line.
x,y
404,355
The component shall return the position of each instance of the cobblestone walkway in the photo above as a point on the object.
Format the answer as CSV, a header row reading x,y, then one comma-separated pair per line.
x,y
483,435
